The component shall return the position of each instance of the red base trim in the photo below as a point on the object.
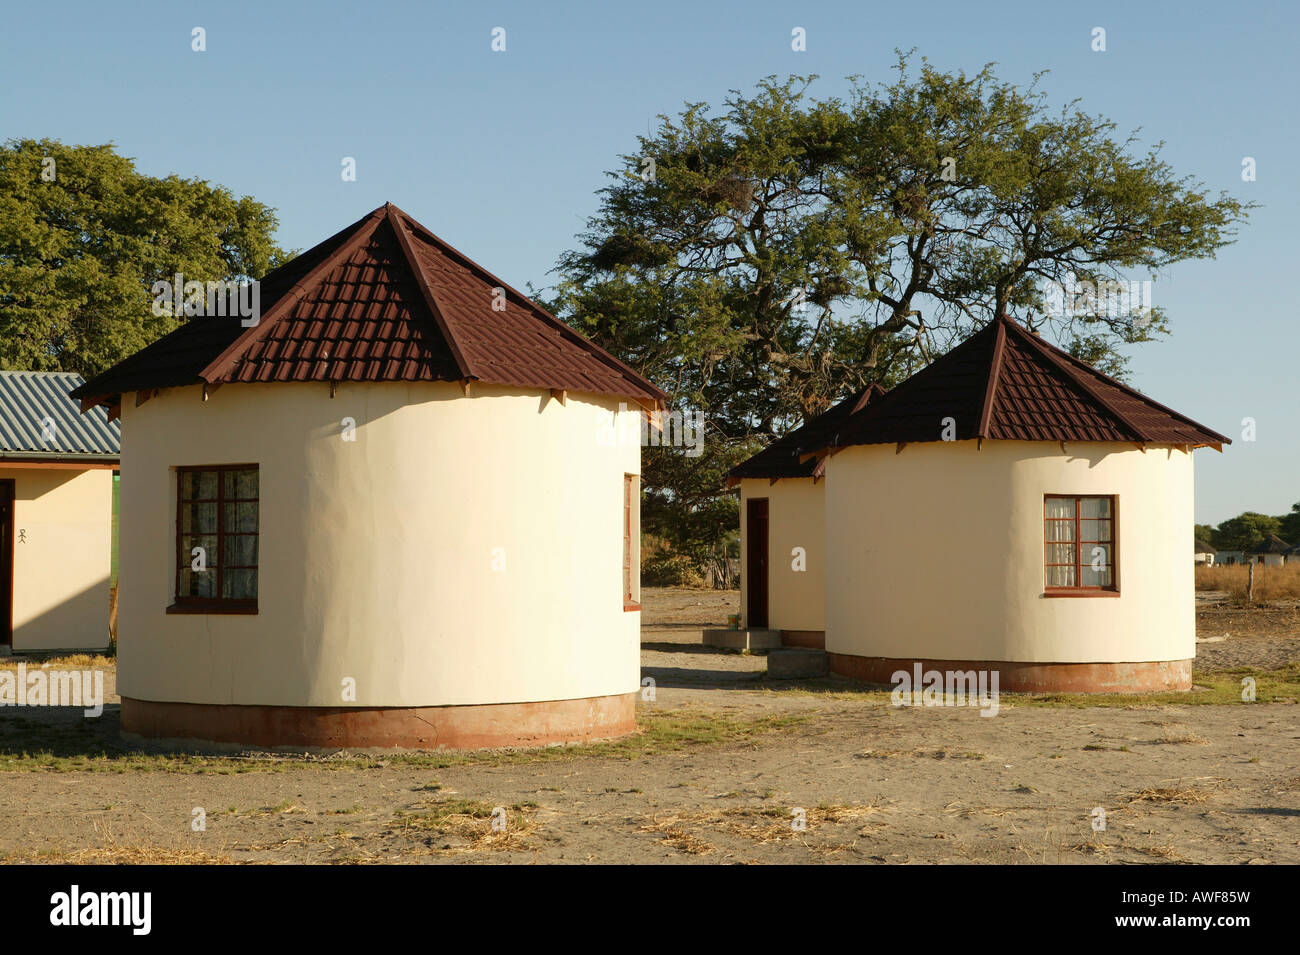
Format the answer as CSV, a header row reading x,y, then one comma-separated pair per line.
x,y
807,639
423,727
1161,675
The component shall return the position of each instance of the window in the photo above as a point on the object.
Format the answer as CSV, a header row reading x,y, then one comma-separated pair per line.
x,y
216,539
1079,545
631,542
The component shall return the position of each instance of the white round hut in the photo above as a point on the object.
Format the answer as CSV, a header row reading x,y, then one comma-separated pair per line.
x,y
1011,509
398,509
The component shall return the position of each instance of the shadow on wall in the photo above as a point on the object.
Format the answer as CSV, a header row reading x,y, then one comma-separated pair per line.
x,y
78,622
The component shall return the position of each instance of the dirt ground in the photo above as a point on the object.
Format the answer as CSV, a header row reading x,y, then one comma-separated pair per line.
x,y
728,765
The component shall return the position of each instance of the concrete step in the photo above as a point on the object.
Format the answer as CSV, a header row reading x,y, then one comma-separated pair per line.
x,y
743,639
797,664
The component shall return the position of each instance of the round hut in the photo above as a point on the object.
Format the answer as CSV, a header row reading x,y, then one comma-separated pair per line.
x,y
398,507
1272,551
1011,509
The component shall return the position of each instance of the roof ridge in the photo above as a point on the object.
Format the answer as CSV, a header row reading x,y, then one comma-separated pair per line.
x,y
565,330
995,375
225,362
1050,354
864,398
394,216
1133,392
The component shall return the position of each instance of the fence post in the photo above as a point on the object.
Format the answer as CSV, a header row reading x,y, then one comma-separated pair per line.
x,y
1250,584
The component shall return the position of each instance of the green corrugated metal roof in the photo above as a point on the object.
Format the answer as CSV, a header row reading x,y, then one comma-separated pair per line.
x,y
39,419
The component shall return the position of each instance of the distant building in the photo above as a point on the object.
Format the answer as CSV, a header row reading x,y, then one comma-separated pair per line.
x,y
56,514
1205,553
1271,551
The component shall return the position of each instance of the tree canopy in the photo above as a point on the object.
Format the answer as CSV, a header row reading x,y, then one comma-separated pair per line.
x,y
83,236
762,262
1289,525
1245,531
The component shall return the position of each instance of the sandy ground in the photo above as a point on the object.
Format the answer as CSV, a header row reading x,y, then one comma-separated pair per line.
x,y
872,783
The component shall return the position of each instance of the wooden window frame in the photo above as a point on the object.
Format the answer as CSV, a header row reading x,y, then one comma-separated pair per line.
x,y
213,605
1109,590
631,583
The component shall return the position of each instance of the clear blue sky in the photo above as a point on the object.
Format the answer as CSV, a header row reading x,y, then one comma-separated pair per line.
x,y
500,153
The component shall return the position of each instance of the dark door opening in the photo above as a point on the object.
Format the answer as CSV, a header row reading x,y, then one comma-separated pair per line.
x,y
756,563
7,563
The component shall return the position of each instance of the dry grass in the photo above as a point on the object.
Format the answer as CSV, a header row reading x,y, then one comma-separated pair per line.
x,y
683,841
1175,733
1096,848
1190,795
80,661
121,855
1271,583
685,831
1168,853
466,825
112,850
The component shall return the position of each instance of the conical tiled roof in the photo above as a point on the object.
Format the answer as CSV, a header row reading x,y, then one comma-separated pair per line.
x,y
781,458
382,300
1004,383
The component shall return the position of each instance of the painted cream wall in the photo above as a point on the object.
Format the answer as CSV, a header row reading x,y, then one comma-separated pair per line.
x,y
376,555
937,553
62,570
796,510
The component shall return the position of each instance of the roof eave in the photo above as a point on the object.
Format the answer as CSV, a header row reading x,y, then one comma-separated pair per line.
x,y
70,457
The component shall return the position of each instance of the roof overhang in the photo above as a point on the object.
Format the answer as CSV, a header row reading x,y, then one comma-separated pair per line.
x,y
29,459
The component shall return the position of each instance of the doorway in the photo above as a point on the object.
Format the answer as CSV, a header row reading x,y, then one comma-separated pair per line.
x,y
7,562
756,563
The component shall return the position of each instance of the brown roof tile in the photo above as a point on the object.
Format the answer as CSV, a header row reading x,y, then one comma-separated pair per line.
x,y
781,458
382,300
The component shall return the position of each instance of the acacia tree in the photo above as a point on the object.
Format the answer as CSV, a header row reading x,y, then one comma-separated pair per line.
x,y
1245,531
83,236
1289,525
762,263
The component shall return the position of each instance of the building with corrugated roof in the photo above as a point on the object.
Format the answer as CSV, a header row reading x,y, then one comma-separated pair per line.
x,y
400,507
1007,508
56,515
